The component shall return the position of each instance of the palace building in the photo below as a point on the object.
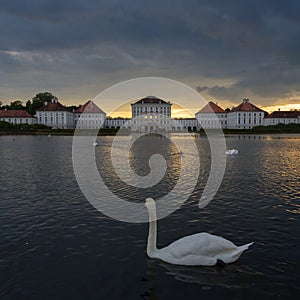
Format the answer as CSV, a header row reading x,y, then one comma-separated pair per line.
x,y
212,116
17,117
282,117
245,116
55,115
150,114
89,116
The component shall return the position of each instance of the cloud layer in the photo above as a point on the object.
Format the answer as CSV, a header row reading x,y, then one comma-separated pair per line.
x,y
224,49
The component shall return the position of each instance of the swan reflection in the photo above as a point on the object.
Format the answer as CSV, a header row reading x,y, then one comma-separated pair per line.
x,y
231,276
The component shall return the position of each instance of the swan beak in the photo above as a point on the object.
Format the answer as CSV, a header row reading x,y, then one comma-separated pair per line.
x,y
149,201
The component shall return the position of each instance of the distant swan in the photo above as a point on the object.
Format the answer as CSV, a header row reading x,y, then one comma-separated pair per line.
x,y
200,249
232,152
95,143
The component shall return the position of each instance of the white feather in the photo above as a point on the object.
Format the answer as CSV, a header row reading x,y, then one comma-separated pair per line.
x,y
198,249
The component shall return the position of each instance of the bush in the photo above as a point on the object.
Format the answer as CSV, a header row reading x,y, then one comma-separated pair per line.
x,y
279,128
5,126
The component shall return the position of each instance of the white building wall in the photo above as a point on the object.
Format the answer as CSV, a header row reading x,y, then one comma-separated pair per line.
x,y
212,120
89,120
117,123
18,120
244,119
147,116
56,119
275,121
190,124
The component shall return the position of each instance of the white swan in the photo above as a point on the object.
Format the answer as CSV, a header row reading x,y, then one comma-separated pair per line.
x,y
232,152
95,143
200,249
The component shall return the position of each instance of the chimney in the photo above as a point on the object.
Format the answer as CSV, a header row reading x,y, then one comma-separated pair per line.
x,y
246,100
46,103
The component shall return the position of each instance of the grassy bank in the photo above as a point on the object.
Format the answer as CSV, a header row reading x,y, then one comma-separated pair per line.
x,y
53,132
39,129
280,128
273,129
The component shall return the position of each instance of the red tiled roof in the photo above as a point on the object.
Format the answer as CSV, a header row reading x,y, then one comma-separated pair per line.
x,y
15,114
211,107
89,107
50,106
151,100
247,106
284,114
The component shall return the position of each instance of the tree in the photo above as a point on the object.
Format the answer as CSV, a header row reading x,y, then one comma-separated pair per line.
x,y
39,100
227,109
16,105
28,104
72,107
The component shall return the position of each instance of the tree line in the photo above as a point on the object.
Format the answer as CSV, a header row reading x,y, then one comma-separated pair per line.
x,y
32,105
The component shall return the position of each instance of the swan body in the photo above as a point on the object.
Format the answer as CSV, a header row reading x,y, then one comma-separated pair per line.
x,y
200,249
232,152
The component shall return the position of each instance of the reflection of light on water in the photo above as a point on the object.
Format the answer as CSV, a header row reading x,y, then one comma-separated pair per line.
x,y
281,173
144,147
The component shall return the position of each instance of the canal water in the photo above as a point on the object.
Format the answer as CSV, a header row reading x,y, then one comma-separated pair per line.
x,y
55,245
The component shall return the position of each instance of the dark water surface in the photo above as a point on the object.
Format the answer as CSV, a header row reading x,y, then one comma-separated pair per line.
x,y
55,245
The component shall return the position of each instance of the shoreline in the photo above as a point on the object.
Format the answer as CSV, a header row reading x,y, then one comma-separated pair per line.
x,y
68,132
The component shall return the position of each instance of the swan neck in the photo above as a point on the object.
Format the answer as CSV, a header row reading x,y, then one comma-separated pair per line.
x,y
152,236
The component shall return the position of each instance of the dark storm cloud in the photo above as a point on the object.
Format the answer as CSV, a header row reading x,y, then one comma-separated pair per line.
x,y
254,44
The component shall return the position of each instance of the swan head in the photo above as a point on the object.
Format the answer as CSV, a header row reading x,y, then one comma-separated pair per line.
x,y
151,207
149,203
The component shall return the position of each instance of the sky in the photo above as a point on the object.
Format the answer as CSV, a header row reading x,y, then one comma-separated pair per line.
x,y
225,50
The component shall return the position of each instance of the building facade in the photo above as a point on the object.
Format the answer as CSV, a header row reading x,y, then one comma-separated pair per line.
x,y
17,117
117,123
89,116
55,115
184,124
150,114
212,116
282,117
245,116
